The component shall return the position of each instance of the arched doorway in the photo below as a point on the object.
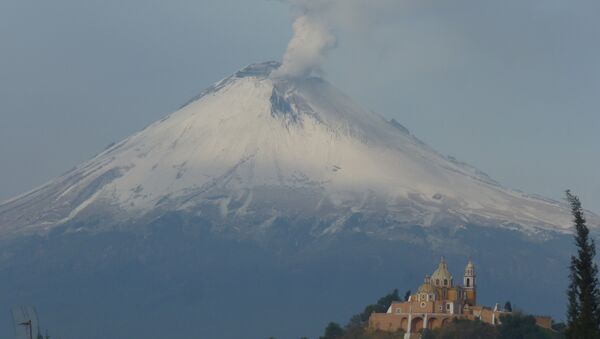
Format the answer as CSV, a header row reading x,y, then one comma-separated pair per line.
x,y
417,324
404,324
444,322
433,323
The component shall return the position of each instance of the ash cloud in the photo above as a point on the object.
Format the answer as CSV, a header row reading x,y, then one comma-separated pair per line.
x,y
315,24
307,49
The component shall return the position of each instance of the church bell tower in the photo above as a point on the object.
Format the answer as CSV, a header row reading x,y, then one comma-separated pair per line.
x,y
469,284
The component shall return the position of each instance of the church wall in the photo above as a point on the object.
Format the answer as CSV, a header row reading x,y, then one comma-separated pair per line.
x,y
387,322
545,322
452,294
471,297
487,316
423,307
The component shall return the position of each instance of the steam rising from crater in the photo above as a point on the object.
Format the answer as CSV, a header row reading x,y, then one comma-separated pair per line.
x,y
315,22
307,49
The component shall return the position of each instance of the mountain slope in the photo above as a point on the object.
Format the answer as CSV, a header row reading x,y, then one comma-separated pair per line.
x,y
267,207
255,146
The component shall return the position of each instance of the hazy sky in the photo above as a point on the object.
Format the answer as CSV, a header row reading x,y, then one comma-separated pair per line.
x,y
511,87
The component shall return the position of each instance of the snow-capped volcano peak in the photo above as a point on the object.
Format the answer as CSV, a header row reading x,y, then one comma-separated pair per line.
x,y
252,148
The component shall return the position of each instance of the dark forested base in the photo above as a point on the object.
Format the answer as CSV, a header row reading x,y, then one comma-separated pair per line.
x,y
181,280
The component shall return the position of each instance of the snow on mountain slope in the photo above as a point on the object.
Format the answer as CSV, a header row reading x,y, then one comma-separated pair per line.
x,y
255,147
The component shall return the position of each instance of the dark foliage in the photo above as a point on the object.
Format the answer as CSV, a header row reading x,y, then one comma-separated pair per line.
x,y
362,333
516,326
332,331
559,327
387,300
508,306
464,329
583,313
355,329
359,320
519,326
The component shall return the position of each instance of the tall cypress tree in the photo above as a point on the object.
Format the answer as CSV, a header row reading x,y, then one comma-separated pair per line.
x,y
583,312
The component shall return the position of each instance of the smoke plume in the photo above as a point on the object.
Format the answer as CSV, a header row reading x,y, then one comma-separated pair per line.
x,y
315,22
307,49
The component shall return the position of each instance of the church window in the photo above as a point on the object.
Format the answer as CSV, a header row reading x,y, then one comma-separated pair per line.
x,y
447,306
445,282
468,282
437,282
398,310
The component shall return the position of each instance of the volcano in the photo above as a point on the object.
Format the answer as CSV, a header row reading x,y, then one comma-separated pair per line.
x,y
251,149
267,206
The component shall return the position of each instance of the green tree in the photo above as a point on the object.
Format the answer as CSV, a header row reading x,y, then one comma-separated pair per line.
x,y
332,331
559,327
381,306
427,334
583,313
519,326
508,306
386,301
359,320
407,295
465,329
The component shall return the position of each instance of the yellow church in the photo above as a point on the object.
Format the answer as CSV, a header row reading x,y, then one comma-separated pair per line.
x,y
437,301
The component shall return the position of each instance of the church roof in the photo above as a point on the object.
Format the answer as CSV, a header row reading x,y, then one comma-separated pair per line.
x,y
426,288
441,272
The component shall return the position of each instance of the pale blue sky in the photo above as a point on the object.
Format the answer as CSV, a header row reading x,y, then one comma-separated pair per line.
x,y
511,87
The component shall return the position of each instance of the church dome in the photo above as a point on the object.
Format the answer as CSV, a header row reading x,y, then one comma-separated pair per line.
x,y
426,288
426,292
441,277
